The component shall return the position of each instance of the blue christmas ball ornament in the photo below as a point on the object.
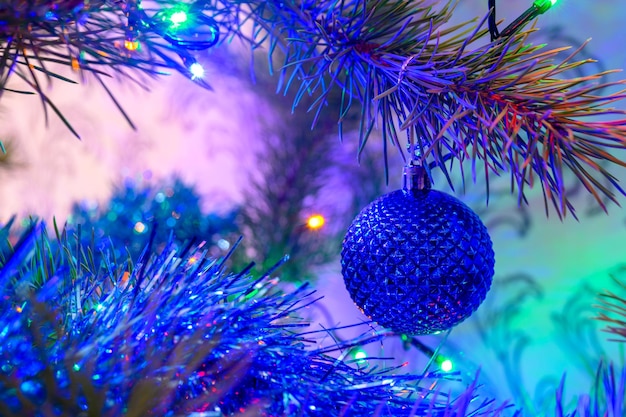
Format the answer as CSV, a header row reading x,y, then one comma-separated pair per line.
x,y
417,261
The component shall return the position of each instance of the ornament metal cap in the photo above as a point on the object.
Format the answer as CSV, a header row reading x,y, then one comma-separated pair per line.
x,y
416,179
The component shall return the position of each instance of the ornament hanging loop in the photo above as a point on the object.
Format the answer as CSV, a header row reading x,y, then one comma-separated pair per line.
x,y
416,178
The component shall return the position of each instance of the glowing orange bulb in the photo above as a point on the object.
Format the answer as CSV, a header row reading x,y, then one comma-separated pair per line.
x,y
315,221
140,227
131,45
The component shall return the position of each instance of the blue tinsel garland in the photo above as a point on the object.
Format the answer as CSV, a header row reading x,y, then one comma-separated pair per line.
x,y
176,335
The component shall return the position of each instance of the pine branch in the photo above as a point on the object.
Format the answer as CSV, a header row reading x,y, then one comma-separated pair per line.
x,y
294,165
503,104
613,312
103,39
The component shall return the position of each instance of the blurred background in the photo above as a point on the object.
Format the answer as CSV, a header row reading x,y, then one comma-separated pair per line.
x,y
213,165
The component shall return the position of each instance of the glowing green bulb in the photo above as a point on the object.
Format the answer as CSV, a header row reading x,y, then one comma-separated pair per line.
x,y
360,356
446,365
542,6
178,17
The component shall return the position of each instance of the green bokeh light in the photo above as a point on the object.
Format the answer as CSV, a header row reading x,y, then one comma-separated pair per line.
x,y
175,18
446,365
360,356
543,6
178,17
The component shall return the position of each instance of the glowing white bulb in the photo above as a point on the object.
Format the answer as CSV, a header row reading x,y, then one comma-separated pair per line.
x,y
360,355
197,71
178,17
446,365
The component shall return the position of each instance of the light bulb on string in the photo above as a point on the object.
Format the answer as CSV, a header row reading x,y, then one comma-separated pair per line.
x,y
178,18
185,27
315,221
197,70
131,45
360,356
132,27
538,8
444,363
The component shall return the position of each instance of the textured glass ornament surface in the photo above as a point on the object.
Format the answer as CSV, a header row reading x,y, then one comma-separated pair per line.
x,y
417,262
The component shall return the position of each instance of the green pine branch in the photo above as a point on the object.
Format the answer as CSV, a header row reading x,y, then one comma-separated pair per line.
x,y
457,96
504,104
613,312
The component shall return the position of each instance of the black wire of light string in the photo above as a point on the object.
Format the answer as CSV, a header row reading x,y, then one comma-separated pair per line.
x,y
493,25
538,7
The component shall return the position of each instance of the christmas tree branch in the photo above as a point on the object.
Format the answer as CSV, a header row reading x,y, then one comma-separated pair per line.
x,y
101,39
400,65
613,312
504,104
